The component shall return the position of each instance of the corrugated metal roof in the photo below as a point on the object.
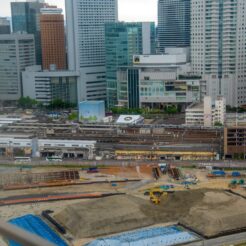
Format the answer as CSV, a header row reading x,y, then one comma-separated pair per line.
x,y
36,226
160,236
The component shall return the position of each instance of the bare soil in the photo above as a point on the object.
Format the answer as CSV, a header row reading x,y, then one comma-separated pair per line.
x,y
207,211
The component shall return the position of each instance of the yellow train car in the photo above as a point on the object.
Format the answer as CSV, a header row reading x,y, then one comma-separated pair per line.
x,y
164,155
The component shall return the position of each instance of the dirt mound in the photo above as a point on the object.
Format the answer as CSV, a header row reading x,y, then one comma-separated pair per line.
x,y
206,211
217,198
179,203
217,213
107,216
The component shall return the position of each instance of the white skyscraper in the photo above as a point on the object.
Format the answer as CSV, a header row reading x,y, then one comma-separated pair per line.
x,y
218,39
86,43
17,51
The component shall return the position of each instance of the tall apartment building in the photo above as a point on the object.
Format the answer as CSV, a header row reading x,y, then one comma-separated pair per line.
x,y
218,47
4,26
17,51
52,38
86,43
122,41
173,24
26,19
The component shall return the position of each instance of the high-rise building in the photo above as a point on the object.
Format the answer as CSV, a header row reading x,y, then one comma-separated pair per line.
x,y
17,51
4,26
122,41
52,38
26,19
218,47
173,24
86,43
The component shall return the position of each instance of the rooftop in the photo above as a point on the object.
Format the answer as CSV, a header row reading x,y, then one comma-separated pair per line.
x,y
195,106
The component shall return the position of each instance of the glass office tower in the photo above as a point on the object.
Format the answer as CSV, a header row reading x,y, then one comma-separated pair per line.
x,y
122,41
26,19
4,25
173,24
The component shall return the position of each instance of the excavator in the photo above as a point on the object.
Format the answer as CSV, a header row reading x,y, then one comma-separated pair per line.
x,y
155,195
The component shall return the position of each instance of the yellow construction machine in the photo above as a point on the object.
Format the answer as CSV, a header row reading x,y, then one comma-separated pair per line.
x,y
155,195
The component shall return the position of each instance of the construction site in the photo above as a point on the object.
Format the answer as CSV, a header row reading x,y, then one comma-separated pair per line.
x,y
152,204
152,183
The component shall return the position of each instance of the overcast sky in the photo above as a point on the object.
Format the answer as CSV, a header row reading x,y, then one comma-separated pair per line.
x,y
129,10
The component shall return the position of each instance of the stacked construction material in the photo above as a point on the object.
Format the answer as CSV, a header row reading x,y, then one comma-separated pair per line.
x,y
174,172
34,178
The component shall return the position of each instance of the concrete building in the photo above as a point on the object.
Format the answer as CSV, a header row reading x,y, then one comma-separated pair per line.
x,y
46,86
155,81
219,111
130,120
65,148
122,41
173,24
86,44
4,26
235,119
16,52
26,19
4,120
12,146
207,113
52,38
218,47
235,142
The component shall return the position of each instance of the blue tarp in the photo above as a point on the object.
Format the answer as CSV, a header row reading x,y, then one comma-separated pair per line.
x,y
160,236
218,173
36,225
236,174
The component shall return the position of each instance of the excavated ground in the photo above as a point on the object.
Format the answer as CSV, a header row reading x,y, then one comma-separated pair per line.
x,y
208,212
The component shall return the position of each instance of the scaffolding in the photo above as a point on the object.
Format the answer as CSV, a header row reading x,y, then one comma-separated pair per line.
x,y
34,178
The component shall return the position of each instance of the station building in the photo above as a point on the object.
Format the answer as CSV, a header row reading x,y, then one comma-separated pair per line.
x,y
23,145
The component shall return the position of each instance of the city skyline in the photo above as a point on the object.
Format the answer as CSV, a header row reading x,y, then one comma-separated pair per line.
x,y
148,9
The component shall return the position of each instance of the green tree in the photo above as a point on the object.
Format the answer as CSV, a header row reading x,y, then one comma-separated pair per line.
x,y
218,123
179,108
27,102
73,116
171,109
230,109
60,104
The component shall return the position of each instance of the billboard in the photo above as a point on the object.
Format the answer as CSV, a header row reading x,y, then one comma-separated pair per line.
x,y
91,111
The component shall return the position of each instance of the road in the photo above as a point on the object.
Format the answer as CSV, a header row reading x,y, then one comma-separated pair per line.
x,y
38,162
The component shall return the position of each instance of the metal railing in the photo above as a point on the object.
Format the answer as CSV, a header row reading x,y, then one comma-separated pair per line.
x,y
21,236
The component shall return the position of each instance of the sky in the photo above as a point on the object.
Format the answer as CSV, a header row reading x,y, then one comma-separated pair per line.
x,y
129,10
